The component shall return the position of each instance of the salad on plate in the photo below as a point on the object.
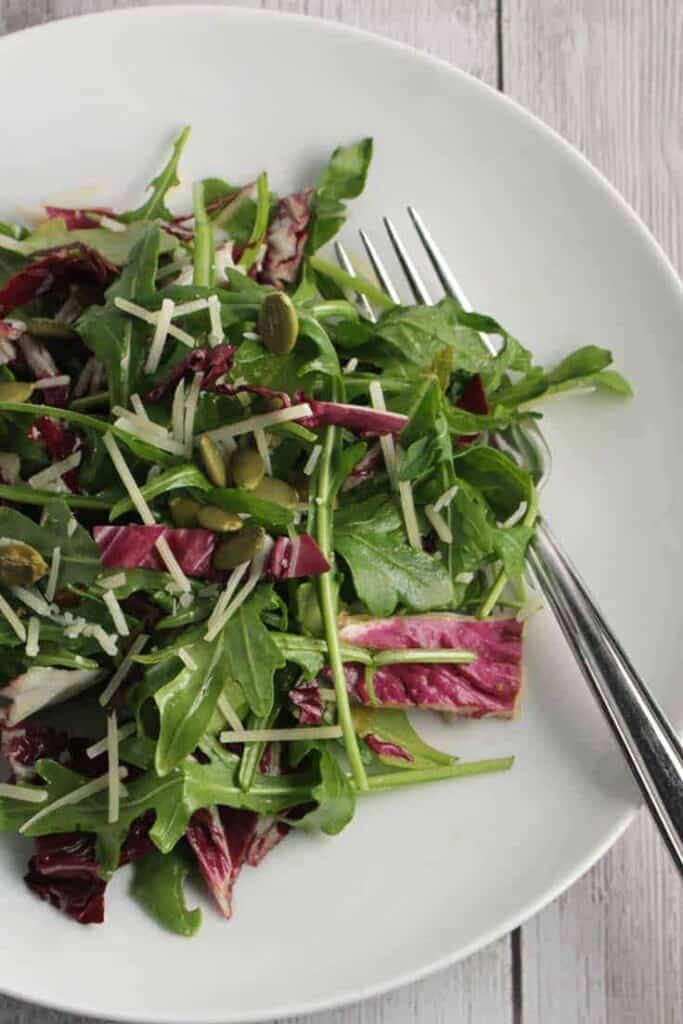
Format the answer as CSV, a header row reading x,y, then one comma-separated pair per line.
x,y
244,529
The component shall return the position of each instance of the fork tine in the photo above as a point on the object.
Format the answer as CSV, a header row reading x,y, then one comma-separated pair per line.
x,y
417,286
444,272
346,264
441,268
379,268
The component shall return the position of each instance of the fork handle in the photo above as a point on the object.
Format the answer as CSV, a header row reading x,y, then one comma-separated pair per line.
x,y
647,739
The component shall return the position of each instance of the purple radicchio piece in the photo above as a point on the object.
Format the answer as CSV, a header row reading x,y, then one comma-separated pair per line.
x,y
63,872
52,268
212,363
491,685
359,419
220,838
25,744
292,559
286,238
134,547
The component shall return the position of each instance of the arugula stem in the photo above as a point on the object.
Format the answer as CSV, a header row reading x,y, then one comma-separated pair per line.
x,y
90,401
354,284
258,232
420,656
253,752
501,579
204,268
30,496
391,780
321,501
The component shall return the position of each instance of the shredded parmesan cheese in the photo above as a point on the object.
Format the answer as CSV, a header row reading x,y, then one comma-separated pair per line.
x,y
32,637
257,566
52,382
405,493
113,768
74,797
312,460
386,441
263,450
95,749
128,480
145,431
441,527
217,334
351,365
171,563
116,612
123,669
464,577
178,412
229,713
266,419
32,796
112,582
319,732
51,585
32,599
446,498
193,306
223,601
110,224
138,406
191,412
107,642
55,471
151,318
187,659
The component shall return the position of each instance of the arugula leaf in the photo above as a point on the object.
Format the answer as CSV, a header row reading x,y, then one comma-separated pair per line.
x,y
250,655
584,368
155,207
313,356
80,560
503,483
204,255
185,475
392,726
333,794
120,341
387,572
186,704
260,226
158,887
343,178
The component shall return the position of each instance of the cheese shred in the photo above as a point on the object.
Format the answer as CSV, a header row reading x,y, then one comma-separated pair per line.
x,y
116,612
160,334
51,585
123,669
32,796
76,796
33,637
441,527
319,732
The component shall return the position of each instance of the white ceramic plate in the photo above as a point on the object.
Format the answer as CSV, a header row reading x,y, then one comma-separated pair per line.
x,y
541,242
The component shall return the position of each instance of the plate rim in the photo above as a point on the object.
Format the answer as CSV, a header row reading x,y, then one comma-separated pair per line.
x,y
665,265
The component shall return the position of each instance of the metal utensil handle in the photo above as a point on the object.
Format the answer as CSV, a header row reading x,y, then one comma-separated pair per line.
x,y
653,751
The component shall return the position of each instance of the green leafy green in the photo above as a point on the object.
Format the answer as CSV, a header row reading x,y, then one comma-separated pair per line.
x,y
265,513
184,475
80,559
392,726
155,206
250,655
343,178
158,887
115,246
333,794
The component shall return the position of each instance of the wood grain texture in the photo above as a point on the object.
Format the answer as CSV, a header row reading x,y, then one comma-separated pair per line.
x,y
608,76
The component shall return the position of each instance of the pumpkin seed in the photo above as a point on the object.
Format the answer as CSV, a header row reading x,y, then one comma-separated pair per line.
x,y
184,511
247,469
278,324
277,491
213,518
50,330
213,460
240,548
20,564
15,391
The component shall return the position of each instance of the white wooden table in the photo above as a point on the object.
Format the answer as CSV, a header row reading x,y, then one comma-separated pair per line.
x,y
608,75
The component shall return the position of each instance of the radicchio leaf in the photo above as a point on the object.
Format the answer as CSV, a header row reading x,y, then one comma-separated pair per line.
x,y
134,547
25,744
59,442
53,267
359,419
76,219
490,685
292,559
220,838
286,238
212,363
64,872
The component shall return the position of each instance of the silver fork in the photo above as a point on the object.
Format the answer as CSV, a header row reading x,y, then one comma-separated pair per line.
x,y
652,749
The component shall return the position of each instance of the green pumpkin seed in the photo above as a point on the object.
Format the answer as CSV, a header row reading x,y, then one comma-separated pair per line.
x,y
20,564
217,519
240,548
184,511
15,391
278,324
213,460
277,491
247,469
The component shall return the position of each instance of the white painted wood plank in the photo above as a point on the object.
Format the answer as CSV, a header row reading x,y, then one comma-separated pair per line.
x,y
463,32
608,75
